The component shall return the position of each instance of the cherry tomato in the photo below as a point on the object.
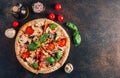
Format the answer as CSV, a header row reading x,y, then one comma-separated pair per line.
x,y
15,23
25,54
58,6
51,46
60,18
29,30
51,16
41,49
41,56
62,42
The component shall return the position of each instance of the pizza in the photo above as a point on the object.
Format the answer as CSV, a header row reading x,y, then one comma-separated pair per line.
x,y
42,46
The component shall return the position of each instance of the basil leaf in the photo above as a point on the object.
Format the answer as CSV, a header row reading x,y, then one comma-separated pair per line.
x,y
50,60
76,38
32,47
53,26
43,38
58,54
34,65
71,26
37,43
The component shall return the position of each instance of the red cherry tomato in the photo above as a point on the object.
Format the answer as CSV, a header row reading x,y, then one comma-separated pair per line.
x,y
62,42
52,16
25,54
60,18
41,49
51,46
58,6
41,56
15,23
29,30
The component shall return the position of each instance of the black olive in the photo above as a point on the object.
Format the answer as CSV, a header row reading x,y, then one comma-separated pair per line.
x,y
24,60
42,27
31,36
55,35
60,49
27,42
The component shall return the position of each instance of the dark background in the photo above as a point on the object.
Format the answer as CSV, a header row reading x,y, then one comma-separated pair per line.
x,y
98,21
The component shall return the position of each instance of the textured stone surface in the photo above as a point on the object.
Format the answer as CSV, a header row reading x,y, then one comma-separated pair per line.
x,y
98,21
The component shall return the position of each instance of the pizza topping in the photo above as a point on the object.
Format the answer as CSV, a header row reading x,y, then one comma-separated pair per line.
x,y
23,39
43,38
36,25
25,55
53,36
52,26
42,64
34,45
41,49
62,42
37,43
31,36
35,65
58,54
32,55
50,60
45,28
30,60
37,30
55,57
51,46
41,56
29,30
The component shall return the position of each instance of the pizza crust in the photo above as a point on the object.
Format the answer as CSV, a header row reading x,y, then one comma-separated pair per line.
x,y
48,69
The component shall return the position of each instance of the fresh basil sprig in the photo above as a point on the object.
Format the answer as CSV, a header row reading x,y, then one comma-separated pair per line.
x,y
76,35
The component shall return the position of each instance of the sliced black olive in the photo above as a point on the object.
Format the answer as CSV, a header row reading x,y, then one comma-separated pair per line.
x,y
42,27
60,49
55,35
24,60
31,36
27,42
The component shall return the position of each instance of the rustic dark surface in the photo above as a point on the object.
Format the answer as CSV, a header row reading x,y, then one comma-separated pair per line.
x,y
98,21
